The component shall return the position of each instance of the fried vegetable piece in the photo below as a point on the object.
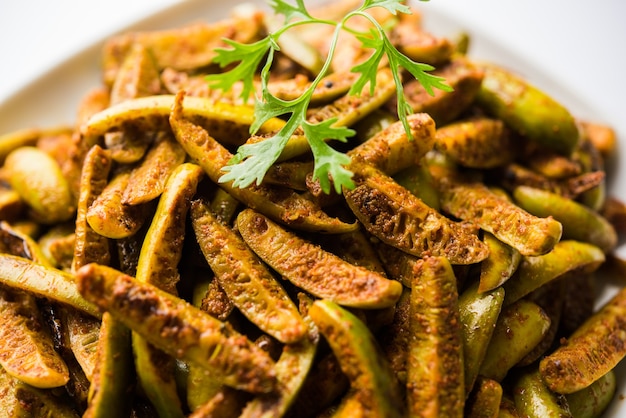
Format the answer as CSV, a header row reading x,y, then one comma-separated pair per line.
x,y
418,180
27,351
21,273
579,222
592,401
479,142
112,379
590,352
16,139
38,179
178,328
527,109
372,383
435,381
394,338
501,264
246,281
89,246
465,79
484,401
391,151
151,113
292,369
529,234
478,314
534,272
602,137
520,327
314,270
82,333
280,204
109,217
147,181
22,400
160,254
534,399
184,48
399,218
162,247
421,46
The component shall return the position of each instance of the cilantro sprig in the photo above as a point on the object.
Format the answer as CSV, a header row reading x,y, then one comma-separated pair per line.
x,y
253,160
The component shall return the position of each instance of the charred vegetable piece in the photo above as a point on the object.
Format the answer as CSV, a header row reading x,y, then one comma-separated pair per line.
x,y
477,143
110,217
418,180
47,282
112,379
162,247
320,273
82,332
501,264
534,399
592,401
435,382
372,382
590,352
246,281
484,401
160,254
147,181
528,110
38,179
536,271
520,327
89,246
151,113
22,400
292,369
178,328
282,205
390,150
399,218
529,234
478,313
27,351
579,222
465,79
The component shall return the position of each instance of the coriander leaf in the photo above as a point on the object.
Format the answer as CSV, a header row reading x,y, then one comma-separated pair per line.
x,y
420,72
329,163
254,159
290,11
369,67
393,6
249,57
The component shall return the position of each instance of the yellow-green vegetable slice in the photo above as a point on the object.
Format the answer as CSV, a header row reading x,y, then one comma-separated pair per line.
x,y
372,382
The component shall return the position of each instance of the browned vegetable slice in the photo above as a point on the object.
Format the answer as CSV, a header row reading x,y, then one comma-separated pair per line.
x,y
246,281
529,234
109,217
282,205
89,246
391,150
27,351
435,383
147,181
319,272
47,282
485,399
479,142
399,218
462,75
178,328
112,379
590,352
372,382
535,271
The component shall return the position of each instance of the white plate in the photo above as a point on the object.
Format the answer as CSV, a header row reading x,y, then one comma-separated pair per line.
x,y
51,98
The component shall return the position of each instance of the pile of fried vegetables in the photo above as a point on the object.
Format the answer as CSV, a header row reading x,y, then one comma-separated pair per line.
x,y
457,278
